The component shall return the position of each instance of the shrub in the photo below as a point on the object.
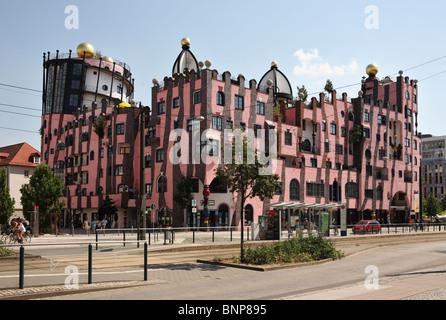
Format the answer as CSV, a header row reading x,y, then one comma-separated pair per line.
x,y
300,249
5,252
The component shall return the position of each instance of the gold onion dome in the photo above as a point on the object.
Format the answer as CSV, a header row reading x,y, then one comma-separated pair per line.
x,y
185,42
274,64
106,58
372,69
86,48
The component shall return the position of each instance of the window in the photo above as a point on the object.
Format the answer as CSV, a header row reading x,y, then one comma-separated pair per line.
x,y
294,190
160,155
257,130
91,155
176,103
77,69
343,131
193,124
339,149
161,107
74,100
288,138
324,126
217,123
105,87
239,102
197,97
260,108
148,161
366,116
148,189
119,88
351,191
119,128
379,193
229,124
119,170
26,173
326,146
333,128
124,148
328,164
162,184
368,194
75,84
220,98
313,162
315,189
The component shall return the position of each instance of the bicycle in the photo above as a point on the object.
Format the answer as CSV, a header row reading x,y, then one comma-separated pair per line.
x,y
13,239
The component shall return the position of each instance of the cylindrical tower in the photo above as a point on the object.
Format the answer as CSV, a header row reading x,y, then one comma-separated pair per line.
x,y
74,81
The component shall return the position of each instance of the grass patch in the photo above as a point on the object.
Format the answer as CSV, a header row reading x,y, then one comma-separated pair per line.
x,y
300,249
5,252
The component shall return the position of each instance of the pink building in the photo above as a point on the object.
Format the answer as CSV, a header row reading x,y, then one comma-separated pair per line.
x,y
362,152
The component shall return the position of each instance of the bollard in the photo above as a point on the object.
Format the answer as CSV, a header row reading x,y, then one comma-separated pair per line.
x,y
230,232
90,263
173,235
213,236
149,237
193,236
96,231
22,268
145,261
123,238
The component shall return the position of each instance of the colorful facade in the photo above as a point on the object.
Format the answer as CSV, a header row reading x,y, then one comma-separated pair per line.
x,y
361,152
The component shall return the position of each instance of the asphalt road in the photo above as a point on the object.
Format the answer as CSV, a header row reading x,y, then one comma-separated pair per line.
x,y
378,265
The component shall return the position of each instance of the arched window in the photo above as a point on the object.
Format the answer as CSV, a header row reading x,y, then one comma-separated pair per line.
x,y
220,98
306,145
84,137
379,193
91,155
368,154
161,185
249,214
216,187
294,190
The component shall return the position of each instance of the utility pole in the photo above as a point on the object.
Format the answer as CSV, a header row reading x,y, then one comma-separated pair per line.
x,y
142,191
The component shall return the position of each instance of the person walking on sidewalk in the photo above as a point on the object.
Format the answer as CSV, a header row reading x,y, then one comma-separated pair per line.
x,y
93,225
103,225
87,226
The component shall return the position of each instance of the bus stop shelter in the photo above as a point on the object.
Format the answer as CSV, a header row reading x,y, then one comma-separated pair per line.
x,y
314,210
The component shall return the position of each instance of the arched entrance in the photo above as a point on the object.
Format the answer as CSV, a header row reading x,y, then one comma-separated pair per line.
x,y
249,215
399,208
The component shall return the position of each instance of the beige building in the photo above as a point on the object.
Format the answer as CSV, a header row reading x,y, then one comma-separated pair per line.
x,y
20,161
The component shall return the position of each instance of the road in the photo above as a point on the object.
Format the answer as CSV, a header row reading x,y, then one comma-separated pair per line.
x,y
401,268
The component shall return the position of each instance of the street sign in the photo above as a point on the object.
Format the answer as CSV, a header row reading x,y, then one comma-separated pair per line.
x,y
194,210
194,203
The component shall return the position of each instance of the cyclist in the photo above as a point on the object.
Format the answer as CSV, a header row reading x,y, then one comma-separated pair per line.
x,y
20,230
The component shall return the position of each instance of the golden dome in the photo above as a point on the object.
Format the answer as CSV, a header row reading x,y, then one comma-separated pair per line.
x,y
185,42
106,58
274,64
87,48
372,69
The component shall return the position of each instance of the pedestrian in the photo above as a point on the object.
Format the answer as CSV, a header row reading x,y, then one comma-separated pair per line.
x,y
87,226
93,225
103,225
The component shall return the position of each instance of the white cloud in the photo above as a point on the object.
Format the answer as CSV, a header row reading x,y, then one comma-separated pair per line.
x,y
311,63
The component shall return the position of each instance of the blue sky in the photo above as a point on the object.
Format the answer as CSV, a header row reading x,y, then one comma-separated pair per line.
x,y
312,41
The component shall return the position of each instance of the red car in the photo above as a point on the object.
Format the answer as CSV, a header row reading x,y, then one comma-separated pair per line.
x,y
368,226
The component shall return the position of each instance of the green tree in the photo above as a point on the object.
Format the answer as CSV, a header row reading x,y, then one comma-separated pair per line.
x,y
6,202
44,190
431,207
107,208
184,195
247,179
328,89
302,90
443,203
